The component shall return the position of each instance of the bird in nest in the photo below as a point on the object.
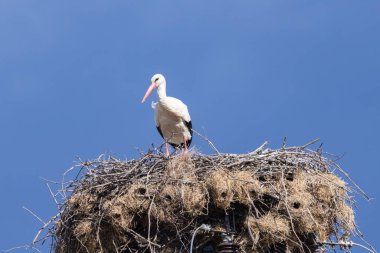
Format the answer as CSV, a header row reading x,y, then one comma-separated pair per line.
x,y
171,116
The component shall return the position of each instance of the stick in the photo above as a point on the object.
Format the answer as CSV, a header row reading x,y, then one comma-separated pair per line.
x,y
208,141
35,215
44,226
259,149
310,143
26,247
348,244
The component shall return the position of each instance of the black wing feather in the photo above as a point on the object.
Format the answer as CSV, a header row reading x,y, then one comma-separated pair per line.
x,y
159,130
189,126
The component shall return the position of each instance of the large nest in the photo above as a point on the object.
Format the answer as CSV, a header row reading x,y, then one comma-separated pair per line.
x,y
286,200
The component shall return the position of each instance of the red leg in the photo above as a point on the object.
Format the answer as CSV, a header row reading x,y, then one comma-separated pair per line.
x,y
167,148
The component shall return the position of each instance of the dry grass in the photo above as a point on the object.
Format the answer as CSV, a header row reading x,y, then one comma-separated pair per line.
x,y
278,198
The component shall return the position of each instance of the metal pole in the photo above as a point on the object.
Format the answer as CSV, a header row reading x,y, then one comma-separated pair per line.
x,y
227,246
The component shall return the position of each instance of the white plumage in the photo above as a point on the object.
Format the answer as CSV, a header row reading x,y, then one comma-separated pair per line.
x,y
171,116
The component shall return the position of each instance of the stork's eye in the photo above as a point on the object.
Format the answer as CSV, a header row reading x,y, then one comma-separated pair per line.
x,y
156,79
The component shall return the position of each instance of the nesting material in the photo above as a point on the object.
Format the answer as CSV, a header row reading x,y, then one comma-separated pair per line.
x,y
269,228
193,198
246,187
272,199
220,185
82,202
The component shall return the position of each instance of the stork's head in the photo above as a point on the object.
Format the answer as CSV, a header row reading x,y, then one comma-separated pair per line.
x,y
157,81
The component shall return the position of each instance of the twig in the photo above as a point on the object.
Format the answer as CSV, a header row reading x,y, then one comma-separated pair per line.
x,y
26,247
149,225
52,194
284,142
347,244
208,141
35,215
259,149
44,226
352,181
310,143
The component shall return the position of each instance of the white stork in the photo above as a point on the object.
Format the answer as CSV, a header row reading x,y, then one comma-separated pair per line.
x,y
172,118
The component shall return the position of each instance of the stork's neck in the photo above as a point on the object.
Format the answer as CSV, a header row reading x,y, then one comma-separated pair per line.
x,y
161,91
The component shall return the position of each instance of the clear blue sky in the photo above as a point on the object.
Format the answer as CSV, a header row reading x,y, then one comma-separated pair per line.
x,y
72,75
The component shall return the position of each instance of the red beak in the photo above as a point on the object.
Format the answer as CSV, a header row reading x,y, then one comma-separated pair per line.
x,y
150,89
